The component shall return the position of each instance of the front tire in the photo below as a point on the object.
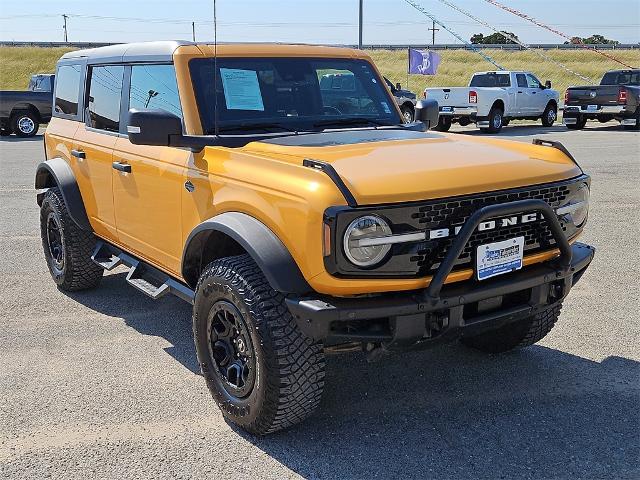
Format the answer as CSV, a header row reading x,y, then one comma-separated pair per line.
x,y
24,124
263,373
516,335
495,121
67,248
549,115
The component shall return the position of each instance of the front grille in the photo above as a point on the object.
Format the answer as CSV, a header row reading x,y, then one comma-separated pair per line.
x,y
537,235
420,259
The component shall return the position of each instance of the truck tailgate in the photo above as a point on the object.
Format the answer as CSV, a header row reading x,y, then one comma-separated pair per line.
x,y
449,96
595,95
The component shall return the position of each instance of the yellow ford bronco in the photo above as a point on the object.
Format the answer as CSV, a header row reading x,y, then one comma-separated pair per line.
x,y
278,190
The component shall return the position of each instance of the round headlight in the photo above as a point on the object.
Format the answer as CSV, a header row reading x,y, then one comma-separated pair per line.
x,y
360,245
581,203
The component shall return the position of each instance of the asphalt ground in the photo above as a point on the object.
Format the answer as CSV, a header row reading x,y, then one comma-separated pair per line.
x,y
105,384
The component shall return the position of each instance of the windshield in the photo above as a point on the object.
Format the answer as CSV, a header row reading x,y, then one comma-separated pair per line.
x,y
631,77
490,80
289,94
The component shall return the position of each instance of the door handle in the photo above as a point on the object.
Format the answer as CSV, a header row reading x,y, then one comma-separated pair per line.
x,y
121,167
78,154
519,91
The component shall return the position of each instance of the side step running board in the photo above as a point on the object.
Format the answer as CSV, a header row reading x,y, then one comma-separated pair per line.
x,y
149,280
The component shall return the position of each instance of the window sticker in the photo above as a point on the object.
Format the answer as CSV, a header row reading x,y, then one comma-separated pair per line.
x,y
385,107
241,89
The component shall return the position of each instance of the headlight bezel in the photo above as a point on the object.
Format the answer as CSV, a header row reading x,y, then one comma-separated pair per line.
x,y
381,251
576,210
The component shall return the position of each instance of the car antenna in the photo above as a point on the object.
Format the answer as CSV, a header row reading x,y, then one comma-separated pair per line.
x,y
215,70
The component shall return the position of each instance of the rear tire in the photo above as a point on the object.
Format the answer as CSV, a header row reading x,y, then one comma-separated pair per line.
x,y
67,248
637,125
579,125
495,121
549,115
407,113
444,124
263,373
24,123
515,335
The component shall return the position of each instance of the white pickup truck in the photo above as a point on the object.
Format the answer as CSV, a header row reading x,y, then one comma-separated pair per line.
x,y
492,99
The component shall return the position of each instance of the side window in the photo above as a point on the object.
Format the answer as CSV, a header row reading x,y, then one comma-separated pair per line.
x,y
532,81
105,90
154,86
67,89
522,80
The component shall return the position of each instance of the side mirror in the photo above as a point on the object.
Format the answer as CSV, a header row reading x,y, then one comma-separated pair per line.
x,y
427,112
398,86
154,127
547,84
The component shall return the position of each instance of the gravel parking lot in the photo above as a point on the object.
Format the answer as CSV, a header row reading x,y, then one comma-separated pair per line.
x,y
105,383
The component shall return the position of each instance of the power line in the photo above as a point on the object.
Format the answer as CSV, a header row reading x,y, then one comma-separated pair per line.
x,y
552,30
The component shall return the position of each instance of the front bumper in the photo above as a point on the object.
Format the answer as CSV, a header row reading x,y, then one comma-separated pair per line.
x,y
403,320
440,312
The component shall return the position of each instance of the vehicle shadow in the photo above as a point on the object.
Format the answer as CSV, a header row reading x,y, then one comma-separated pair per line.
x,y
453,413
517,131
448,412
168,317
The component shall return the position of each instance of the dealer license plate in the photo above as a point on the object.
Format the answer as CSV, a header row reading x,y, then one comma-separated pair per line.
x,y
500,257
592,108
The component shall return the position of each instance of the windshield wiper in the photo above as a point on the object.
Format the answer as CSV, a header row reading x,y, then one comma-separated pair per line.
x,y
351,121
243,127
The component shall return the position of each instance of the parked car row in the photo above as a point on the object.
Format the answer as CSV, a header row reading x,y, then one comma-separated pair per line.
x,y
491,101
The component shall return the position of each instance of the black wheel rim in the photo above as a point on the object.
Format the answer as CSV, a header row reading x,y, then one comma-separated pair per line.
x,y
230,349
55,242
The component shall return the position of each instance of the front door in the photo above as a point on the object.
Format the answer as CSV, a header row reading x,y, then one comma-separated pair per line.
x,y
148,180
536,94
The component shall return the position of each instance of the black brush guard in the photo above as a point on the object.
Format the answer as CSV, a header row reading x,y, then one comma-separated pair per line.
x,y
439,312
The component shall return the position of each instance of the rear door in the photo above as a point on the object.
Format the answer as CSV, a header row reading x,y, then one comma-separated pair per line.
x,y
148,184
537,100
94,144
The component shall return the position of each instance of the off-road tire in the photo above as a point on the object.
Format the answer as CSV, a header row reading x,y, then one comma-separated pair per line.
x,y
78,272
547,118
444,124
579,125
289,366
516,335
24,116
494,125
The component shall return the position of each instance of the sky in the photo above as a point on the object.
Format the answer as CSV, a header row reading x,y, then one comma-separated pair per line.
x,y
386,22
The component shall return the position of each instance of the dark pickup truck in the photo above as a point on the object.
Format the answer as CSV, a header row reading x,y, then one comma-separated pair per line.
x,y
617,97
22,112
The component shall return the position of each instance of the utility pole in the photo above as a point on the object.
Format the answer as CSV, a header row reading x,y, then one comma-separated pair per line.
x,y
360,27
433,30
64,17
193,30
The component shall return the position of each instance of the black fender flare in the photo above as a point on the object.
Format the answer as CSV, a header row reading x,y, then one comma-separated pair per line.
x,y
57,173
266,249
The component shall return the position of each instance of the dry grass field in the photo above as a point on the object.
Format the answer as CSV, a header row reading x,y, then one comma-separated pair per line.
x,y
18,63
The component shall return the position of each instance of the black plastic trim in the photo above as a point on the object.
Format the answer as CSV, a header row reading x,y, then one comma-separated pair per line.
x,y
328,169
266,249
558,146
315,315
57,172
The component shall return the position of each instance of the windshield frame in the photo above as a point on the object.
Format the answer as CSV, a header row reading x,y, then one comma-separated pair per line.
x,y
294,124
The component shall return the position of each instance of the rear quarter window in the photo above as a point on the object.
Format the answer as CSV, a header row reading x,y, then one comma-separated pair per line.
x,y
67,90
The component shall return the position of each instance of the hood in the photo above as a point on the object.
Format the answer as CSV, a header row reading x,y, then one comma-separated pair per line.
x,y
388,166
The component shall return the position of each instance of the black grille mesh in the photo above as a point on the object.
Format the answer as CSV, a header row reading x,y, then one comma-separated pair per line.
x,y
455,212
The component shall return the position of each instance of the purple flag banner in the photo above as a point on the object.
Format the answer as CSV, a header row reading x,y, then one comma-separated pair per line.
x,y
423,62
